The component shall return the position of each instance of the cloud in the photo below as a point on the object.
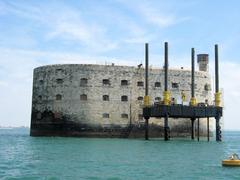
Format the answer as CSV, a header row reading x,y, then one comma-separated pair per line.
x,y
162,16
161,20
140,39
65,23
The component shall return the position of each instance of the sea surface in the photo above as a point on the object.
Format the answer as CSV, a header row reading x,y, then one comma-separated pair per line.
x,y
25,157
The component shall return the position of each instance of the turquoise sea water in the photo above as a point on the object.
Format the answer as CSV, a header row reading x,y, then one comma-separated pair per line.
x,y
25,157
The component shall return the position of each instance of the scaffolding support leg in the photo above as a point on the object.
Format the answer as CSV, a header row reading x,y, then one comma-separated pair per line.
x,y
146,128
198,134
166,129
208,129
192,128
218,129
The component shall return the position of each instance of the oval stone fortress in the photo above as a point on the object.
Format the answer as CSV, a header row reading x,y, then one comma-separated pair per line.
x,y
106,100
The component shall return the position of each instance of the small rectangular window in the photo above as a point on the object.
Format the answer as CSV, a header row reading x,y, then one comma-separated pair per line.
x,y
140,117
157,84
207,87
124,98
59,81
39,97
83,82
59,70
41,81
105,98
105,115
58,97
106,82
124,82
175,85
39,115
140,83
125,116
83,97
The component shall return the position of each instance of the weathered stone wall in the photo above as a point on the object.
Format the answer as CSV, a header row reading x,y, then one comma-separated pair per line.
x,y
57,90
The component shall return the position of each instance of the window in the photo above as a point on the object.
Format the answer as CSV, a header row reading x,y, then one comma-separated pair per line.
x,y
140,98
59,81
124,82
158,98
139,83
106,82
124,116
105,115
40,98
140,117
59,70
39,115
207,87
157,84
105,98
83,82
83,97
58,97
124,98
175,85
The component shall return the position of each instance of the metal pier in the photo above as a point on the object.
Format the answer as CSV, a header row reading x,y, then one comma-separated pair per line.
x,y
192,111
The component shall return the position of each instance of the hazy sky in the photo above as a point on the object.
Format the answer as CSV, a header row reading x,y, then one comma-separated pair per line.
x,y
35,33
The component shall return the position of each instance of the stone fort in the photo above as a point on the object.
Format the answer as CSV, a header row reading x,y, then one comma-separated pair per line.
x,y
106,100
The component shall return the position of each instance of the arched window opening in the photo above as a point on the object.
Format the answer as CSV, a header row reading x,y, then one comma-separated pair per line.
x,y
58,97
105,97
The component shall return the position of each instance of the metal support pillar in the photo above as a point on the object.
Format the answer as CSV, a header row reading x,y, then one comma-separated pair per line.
x,y
198,134
218,129
193,99
166,93
193,129
217,96
146,97
208,128
166,66
216,69
166,129
146,128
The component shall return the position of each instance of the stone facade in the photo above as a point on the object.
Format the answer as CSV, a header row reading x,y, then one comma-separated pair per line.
x,y
106,100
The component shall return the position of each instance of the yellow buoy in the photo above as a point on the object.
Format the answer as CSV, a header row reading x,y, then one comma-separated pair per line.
x,y
229,162
232,161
